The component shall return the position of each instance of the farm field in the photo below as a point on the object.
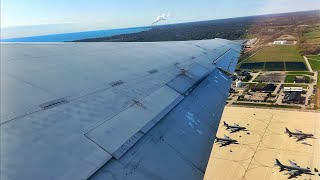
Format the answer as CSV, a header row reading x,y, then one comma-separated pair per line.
x,y
277,54
276,58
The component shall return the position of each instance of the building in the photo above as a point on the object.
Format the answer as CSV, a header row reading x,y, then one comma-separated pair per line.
x,y
292,89
243,73
280,42
269,88
293,97
238,84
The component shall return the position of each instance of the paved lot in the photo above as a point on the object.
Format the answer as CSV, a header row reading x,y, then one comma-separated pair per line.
x,y
271,77
254,157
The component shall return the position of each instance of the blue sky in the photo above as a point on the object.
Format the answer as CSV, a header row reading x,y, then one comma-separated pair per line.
x,y
80,15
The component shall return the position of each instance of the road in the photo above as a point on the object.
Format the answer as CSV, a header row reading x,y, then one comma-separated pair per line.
x,y
254,76
308,64
235,98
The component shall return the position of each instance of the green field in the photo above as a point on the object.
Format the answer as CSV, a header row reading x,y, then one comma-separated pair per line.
x,y
314,62
315,65
301,73
290,78
314,57
276,58
277,54
313,35
248,36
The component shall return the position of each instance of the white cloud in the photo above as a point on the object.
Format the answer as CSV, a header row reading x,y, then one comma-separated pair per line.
x,y
162,17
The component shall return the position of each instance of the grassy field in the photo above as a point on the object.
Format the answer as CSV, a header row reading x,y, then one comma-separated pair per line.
x,y
313,35
248,36
277,54
301,73
276,58
290,78
295,85
314,62
315,65
314,57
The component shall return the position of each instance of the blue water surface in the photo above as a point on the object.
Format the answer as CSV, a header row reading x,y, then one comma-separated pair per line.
x,y
76,35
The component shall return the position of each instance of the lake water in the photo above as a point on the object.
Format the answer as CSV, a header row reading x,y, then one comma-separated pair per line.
x,y
76,35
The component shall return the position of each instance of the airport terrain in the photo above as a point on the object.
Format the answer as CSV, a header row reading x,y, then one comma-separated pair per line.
x,y
262,143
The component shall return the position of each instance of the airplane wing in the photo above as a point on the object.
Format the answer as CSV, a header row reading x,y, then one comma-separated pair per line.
x,y
225,143
298,131
292,172
235,124
234,130
226,137
75,110
301,137
293,163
